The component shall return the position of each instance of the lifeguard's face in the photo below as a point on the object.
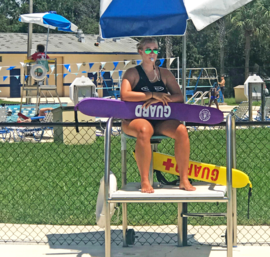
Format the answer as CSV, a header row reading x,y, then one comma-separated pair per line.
x,y
149,52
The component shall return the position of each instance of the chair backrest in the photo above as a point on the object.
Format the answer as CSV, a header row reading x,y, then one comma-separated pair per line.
x,y
48,118
267,102
241,110
93,77
108,84
3,114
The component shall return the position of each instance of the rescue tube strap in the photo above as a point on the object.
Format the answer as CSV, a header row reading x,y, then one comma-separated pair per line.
x,y
249,195
161,179
76,121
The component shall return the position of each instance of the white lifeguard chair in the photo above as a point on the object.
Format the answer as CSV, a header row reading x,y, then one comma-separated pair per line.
x,y
36,83
81,88
254,90
130,193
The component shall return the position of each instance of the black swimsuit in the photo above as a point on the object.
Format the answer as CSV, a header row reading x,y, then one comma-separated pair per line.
x,y
144,85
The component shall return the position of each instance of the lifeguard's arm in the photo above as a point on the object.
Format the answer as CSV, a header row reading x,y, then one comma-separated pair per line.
x,y
126,88
173,87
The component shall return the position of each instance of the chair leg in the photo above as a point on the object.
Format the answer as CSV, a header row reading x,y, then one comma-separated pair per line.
x,y
229,229
180,225
234,224
124,224
124,182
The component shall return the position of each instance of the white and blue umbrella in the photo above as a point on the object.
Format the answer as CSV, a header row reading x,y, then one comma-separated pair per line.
x,y
139,18
122,18
49,20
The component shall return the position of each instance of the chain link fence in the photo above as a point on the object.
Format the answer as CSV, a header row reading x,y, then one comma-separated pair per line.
x,y
50,176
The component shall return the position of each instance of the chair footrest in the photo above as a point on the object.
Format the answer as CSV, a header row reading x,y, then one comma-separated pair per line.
x,y
204,215
30,88
46,87
205,192
30,96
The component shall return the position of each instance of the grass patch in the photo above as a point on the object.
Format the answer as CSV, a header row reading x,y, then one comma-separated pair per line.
x,y
9,102
231,101
50,183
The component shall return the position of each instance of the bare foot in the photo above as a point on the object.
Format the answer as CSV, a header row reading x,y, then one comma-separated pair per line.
x,y
185,185
146,187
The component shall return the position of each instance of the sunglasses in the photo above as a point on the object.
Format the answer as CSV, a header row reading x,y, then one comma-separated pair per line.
x,y
148,51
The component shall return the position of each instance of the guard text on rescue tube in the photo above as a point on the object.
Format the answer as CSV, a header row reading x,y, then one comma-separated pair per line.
x,y
153,111
197,170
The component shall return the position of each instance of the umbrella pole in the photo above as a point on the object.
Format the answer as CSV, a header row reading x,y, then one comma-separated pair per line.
x,y
184,65
47,43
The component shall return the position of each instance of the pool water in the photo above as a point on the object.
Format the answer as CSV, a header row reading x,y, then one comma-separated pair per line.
x,y
29,112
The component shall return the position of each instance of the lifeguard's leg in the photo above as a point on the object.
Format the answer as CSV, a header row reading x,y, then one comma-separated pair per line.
x,y
143,131
177,131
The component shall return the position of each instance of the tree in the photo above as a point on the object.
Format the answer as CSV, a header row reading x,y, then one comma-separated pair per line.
x,y
222,41
169,53
253,20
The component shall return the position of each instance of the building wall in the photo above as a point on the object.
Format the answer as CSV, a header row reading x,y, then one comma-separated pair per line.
x,y
72,59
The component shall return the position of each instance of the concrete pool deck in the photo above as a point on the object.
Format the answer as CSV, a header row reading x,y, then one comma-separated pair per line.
x,y
60,241
15,250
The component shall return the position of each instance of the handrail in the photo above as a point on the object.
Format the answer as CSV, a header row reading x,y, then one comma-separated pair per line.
x,y
107,152
201,98
203,94
191,98
230,147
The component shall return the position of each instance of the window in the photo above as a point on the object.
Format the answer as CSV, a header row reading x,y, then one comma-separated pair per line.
x,y
0,58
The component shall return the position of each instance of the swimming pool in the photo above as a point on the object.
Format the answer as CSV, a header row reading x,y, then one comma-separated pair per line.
x,y
29,112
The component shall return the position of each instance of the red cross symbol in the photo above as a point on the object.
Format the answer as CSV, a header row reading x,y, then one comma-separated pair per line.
x,y
168,164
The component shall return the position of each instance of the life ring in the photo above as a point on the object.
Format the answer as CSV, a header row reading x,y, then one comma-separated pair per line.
x,y
34,73
100,206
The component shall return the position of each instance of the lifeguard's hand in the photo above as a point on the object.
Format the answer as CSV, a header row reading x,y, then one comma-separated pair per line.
x,y
161,97
149,102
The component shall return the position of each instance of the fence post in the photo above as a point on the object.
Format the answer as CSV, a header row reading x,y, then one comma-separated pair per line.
x,y
229,133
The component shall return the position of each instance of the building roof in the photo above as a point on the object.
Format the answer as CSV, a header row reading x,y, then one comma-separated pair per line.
x,y
66,44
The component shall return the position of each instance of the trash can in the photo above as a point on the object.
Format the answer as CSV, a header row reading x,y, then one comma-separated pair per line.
x,y
81,88
68,135
239,94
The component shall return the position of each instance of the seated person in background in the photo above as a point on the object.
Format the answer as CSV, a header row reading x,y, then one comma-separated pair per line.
x,y
213,94
42,113
40,54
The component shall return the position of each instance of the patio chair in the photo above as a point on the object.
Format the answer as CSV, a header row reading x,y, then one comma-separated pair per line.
x,y
109,86
266,111
5,132
240,112
93,77
36,132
